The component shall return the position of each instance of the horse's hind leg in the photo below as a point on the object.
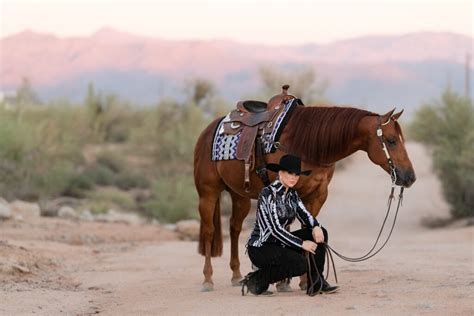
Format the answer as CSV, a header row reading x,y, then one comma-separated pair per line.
x,y
240,210
210,243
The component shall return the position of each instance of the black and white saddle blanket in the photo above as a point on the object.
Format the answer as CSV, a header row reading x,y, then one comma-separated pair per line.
x,y
224,146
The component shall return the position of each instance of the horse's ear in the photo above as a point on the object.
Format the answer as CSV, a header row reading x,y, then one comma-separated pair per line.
x,y
397,115
386,117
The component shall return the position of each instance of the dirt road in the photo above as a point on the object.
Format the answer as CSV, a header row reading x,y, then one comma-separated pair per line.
x,y
124,270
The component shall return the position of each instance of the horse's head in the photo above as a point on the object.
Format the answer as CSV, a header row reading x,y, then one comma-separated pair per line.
x,y
386,148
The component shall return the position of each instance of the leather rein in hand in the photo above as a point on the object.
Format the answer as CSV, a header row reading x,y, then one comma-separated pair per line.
x,y
372,252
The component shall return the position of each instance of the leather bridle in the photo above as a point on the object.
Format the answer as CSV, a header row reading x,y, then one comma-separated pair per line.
x,y
372,252
380,136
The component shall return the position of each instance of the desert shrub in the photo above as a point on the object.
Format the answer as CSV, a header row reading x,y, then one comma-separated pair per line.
x,y
76,185
118,120
42,148
145,133
38,151
175,198
129,179
117,134
111,160
48,183
105,198
97,207
100,175
177,129
446,126
110,119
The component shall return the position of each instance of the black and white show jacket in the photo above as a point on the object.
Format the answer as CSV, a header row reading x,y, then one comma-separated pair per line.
x,y
276,211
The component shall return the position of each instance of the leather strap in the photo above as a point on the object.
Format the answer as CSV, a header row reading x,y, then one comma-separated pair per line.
x,y
260,162
246,144
247,177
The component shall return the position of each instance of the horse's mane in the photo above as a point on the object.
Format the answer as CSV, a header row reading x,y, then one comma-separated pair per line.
x,y
319,133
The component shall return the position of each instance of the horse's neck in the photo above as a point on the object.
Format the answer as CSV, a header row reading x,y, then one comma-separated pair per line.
x,y
353,146
358,142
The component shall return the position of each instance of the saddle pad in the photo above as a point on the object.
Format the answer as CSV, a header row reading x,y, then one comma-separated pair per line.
x,y
224,146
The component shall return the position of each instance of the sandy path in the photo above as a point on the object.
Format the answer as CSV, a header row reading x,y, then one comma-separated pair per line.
x,y
421,271
165,279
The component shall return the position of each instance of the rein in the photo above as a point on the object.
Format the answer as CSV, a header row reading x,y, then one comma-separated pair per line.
x,y
391,197
372,252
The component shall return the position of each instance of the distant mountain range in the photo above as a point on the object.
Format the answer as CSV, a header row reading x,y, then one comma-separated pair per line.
x,y
374,72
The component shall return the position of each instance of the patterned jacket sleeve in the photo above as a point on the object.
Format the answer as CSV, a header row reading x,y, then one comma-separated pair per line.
x,y
267,208
304,216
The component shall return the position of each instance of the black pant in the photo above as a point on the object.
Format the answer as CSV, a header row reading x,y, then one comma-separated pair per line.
x,y
277,263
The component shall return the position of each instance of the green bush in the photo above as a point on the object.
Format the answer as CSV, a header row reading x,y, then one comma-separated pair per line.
x,y
128,180
44,149
110,119
117,134
103,199
111,160
38,151
447,127
177,129
98,207
100,175
175,198
77,185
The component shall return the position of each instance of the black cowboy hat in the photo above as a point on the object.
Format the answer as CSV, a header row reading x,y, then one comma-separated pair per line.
x,y
289,163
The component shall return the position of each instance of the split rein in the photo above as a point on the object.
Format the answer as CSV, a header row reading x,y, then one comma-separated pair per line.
x,y
372,252
330,251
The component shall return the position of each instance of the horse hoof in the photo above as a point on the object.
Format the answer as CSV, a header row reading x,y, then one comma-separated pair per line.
x,y
236,281
303,286
207,287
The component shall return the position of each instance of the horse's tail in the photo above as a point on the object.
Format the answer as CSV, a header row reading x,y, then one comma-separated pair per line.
x,y
217,244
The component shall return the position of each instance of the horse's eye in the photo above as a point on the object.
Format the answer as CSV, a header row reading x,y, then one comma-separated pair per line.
x,y
392,141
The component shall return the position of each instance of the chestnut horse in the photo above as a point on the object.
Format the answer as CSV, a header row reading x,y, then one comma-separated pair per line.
x,y
320,136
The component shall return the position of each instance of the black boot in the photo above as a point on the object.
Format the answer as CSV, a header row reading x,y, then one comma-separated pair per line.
x,y
253,285
328,288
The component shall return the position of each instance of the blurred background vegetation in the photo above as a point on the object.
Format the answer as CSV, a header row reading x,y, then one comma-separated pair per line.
x,y
446,126
105,152
109,153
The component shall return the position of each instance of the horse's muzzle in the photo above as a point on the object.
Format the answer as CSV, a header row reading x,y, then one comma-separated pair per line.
x,y
405,177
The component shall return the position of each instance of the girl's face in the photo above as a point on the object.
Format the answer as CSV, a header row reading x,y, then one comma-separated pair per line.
x,y
288,179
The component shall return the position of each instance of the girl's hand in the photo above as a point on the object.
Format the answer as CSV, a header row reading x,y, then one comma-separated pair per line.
x,y
318,235
310,246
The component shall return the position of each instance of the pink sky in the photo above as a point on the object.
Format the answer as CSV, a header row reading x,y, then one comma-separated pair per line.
x,y
257,21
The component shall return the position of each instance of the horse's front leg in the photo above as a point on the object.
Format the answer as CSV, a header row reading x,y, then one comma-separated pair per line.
x,y
240,210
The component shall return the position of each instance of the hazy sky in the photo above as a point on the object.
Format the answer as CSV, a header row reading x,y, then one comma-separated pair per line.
x,y
257,21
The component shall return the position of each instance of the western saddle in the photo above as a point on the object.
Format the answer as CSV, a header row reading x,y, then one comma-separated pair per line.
x,y
254,119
